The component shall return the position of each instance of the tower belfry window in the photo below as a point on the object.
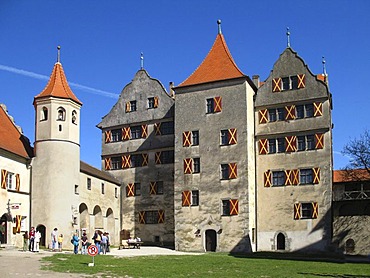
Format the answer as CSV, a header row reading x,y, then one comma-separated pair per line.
x,y
61,114
44,114
74,117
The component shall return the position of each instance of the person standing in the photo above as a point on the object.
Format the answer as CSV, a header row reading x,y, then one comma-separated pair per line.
x,y
84,244
60,242
97,239
32,239
75,242
103,243
37,241
25,240
54,237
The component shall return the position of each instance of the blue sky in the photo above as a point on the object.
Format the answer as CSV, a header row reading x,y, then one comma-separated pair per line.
x,y
102,40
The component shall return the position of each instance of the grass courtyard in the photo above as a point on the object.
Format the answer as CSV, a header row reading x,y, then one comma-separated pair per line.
x,y
207,265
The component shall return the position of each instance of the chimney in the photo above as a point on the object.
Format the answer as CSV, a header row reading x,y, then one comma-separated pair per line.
x,y
256,80
171,91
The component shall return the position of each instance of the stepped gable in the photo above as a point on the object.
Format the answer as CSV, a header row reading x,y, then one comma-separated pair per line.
x,y
11,139
58,86
218,65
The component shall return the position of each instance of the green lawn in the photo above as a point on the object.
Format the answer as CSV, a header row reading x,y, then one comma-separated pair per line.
x,y
206,265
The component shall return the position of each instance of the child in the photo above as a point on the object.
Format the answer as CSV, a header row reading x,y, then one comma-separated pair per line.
x,y
60,242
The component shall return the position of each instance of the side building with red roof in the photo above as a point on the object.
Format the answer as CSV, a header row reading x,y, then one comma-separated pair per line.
x,y
15,159
351,211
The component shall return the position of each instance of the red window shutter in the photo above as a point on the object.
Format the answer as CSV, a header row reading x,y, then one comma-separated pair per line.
x,y
160,216
319,140
290,112
153,186
18,222
144,131
288,177
297,211
316,175
108,136
295,177
290,143
158,158
217,104
128,106
267,178
234,207
156,102
107,163
188,166
315,210
262,143
130,190
157,128
232,136
126,133
233,171
186,198
276,85
145,159
17,182
301,81
263,116
4,174
141,217
317,109
186,135
126,161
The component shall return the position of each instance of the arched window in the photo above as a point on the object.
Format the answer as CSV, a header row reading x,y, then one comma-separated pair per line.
x,y
61,114
74,117
350,246
44,114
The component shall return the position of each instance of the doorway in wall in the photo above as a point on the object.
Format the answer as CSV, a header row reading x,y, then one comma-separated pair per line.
x,y
42,229
280,242
211,240
3,230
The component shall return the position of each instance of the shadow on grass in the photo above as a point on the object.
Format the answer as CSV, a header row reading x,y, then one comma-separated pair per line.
x,y
334,275
298,256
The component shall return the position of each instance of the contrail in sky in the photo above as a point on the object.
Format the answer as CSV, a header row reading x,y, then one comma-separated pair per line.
x,y
44,77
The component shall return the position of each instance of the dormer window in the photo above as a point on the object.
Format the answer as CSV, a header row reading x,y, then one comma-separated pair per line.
x,y
44,114
74,117
61,114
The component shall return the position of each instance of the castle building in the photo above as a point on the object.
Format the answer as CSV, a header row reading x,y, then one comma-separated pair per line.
x,y
238,165
293,158
138,149
214,156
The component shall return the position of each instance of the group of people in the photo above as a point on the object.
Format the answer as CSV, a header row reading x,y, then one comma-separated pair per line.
x,y
31,240
101,240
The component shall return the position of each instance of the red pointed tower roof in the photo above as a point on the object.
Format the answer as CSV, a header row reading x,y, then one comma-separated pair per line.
x,y
58,86
218,65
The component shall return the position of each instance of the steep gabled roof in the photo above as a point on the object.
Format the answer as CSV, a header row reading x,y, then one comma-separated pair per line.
x,y
11,139
58,86
218,65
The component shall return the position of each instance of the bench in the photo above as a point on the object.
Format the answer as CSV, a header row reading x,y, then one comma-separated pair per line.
x,y
130,244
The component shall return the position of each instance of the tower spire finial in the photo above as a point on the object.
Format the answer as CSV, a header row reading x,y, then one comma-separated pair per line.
x,y
141,60
58,57
288,36
219,26
324,66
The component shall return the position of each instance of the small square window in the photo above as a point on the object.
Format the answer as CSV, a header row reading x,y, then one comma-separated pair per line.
x,y
272,146
306,176
135,132
272,115
76,189
210,105
300,111
278,178
225,207
306,211
301,143
224,137
150,102
137,189
133,105
102,189
195,198
195,137
280,114
116,135
309,110
196,165
280,145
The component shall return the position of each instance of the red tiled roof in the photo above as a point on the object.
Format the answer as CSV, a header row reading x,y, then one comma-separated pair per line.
x,y
58,86
350,175
218,65
10,137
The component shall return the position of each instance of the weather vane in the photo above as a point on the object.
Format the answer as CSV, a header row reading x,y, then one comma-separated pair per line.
x,y
323,66
219,26
288,36
58,57
142,60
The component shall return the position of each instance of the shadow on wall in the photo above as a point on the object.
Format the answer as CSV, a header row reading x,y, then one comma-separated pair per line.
x,y
244,246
